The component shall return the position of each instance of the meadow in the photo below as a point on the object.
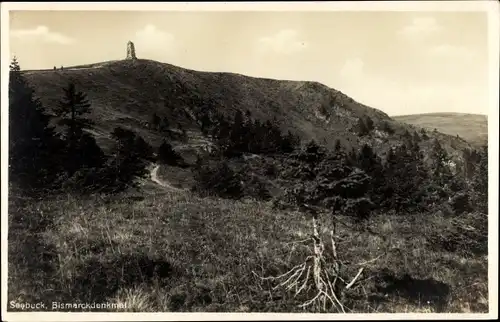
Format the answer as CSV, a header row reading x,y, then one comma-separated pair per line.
x,y
162,250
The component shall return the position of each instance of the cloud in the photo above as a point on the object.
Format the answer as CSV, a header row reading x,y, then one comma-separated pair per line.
x,y
421,26
152,40
41,33
283,42
452,51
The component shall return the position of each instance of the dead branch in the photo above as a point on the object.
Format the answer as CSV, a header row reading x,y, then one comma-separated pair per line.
x,y
314,273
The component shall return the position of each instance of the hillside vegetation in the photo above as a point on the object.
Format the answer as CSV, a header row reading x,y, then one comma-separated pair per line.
x,y
472,127
127,93
164,189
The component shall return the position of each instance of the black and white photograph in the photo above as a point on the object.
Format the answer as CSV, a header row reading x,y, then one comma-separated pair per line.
x,y
280,160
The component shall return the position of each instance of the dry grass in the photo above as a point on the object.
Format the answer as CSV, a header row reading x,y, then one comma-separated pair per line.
x,y
472,127
172,251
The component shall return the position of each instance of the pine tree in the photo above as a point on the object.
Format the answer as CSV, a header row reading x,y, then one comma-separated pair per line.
x,y
71,112
164,124
314,153
405,176
167,155
130,157
256,137
338,146
237,135
155,122
371,163
440,164
14,67
480,181
222,133
369,124
289,142
143,149
362,128
328,181
423,134
352,157
386,127
416,137
366,159
205,118
272,136
471,159
407,136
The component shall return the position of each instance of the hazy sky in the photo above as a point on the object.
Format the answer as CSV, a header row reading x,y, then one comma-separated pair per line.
x,y
399,62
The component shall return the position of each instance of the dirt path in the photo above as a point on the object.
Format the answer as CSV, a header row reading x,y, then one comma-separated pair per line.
x,y
155,179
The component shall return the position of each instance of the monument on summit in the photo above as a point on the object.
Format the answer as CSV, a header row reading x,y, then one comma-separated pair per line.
x,y
131,50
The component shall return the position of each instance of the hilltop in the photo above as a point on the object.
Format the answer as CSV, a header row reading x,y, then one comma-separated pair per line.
x,y
128,92
471,127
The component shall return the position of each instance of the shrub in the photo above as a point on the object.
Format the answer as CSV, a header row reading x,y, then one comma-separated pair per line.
x,y
270,170
218,179
359,208
468,235
257,189
460,203
386,127
88,180
167,155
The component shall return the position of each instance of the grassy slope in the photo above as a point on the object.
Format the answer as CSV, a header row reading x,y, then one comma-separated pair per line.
x,y
100,249
128,92
472,127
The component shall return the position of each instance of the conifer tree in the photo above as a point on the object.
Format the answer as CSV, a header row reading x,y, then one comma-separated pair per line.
x,y
369,124
155,122
371,163
130,159
480,181
416,137
338,146
423,134
405,177
164,124
386,127
362,128
441,172
33,146
237,135
72,110
289,143
167,155
82,150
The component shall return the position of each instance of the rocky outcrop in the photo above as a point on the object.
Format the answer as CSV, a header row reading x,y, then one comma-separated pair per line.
x,y
131,50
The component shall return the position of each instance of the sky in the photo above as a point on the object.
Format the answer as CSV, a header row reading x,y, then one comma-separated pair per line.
x,y
401,62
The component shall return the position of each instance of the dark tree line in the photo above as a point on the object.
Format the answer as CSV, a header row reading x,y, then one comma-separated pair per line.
x,y
358,182
243,134
44,157
33,143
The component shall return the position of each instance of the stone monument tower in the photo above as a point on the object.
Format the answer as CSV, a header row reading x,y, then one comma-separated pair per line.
x,y
131,50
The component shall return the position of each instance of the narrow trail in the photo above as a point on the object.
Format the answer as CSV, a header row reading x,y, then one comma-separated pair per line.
x,y
155,179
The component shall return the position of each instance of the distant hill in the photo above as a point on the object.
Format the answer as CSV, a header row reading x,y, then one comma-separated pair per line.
x,y
471,127
128,92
